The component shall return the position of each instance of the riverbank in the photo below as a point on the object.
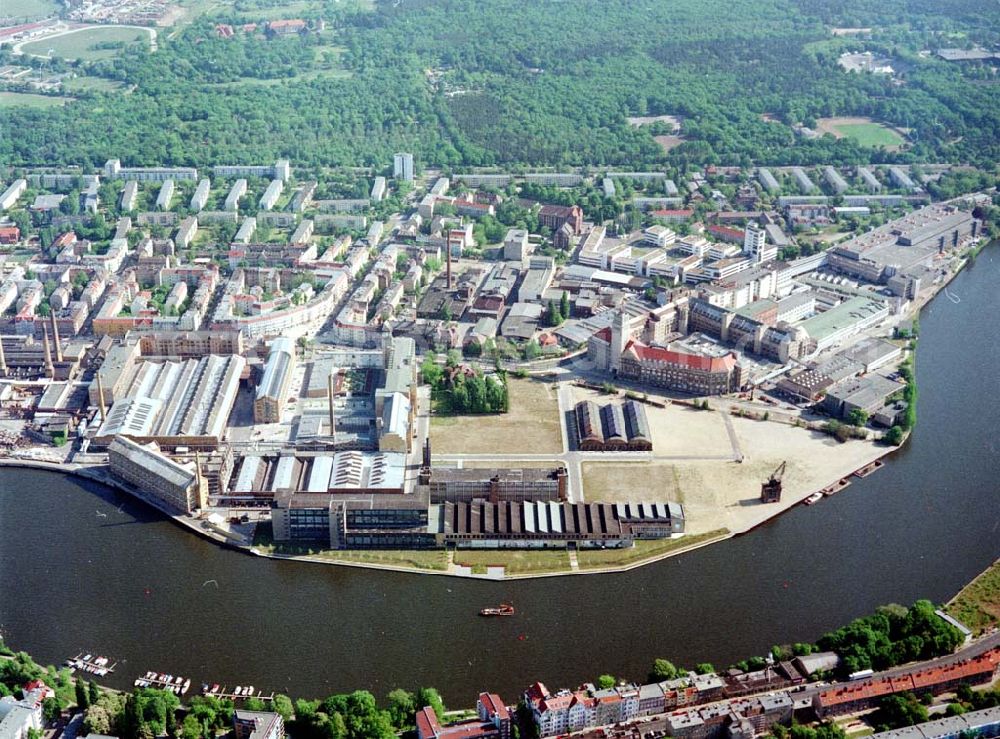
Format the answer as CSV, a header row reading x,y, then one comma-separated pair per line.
x,y
494,563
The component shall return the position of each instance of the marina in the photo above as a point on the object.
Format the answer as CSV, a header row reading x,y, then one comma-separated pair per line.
x,y
95,665
215,690
173,683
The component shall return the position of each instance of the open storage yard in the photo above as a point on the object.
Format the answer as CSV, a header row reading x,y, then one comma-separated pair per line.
x,y
531,426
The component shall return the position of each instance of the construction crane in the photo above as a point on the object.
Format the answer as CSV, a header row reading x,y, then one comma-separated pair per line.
x,y
770,490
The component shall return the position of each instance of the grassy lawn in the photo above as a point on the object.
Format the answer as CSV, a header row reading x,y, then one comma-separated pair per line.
x,y
83,44
21,10
978,604
870,134
591,559
515,561
643,482
92,84
29,100
532,426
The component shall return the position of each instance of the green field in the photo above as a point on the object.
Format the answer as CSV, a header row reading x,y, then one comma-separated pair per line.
x,y
978,605
28,100
92,84
870,134
21,10
514,561
83,44
598,558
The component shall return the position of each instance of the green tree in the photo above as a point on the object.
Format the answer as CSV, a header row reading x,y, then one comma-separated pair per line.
x,y
82,696
282,705
402,706
893,436
858,417
564,306
605,682
704,668
662,670
430,697
191,728
899,710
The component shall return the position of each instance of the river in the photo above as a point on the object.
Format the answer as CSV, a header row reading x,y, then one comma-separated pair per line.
x,y
145,592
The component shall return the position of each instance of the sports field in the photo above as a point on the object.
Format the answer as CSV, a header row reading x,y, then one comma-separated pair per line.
x,y
864,131
87,44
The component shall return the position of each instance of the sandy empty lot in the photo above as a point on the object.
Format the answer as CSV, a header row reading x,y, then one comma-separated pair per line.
x,y
718,493
530,427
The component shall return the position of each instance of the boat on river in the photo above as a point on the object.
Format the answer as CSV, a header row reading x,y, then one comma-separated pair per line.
x,y
504,609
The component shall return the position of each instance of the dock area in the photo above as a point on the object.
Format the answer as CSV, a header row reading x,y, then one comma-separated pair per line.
x,y
173,683
237,693
94,664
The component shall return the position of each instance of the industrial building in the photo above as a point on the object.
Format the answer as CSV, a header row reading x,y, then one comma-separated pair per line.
x,y
152,473
184,403
273,389
540,524
614,427
455,485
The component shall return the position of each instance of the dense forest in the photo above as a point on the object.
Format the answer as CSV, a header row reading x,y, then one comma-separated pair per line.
x,y
540,82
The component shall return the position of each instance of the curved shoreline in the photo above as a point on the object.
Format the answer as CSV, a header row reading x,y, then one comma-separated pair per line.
x,y
95,474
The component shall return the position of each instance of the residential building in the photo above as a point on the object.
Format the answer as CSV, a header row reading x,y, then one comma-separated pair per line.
x,y
257,725
14,191
402,166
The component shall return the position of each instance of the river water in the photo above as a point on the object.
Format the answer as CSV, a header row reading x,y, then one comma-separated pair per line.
x,y
134,586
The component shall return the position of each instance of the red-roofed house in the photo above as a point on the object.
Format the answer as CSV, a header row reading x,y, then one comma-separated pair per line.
x,y
286,27
554,216
697,374
725,233
10,235
859,696
494,722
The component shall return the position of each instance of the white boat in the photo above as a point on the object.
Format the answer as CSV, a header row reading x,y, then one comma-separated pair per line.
x,y
187,686
814,498
249,691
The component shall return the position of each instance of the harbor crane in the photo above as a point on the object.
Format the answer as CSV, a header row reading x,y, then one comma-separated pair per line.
x,y
770,490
